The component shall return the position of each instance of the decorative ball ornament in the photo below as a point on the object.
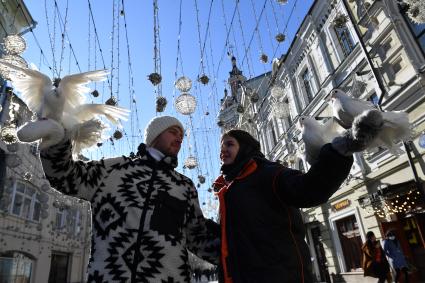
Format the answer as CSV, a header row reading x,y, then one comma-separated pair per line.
x,y
14,44
155,78
27,176
277,92
185,104
264,58
282,2
117,135
190,162
15,60
95,93
111,101
161,102
201,179
220,123
280,37
416,11
8,134
340,21
204,79
240,109
183,84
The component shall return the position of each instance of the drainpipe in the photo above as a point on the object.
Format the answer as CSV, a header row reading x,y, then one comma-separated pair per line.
x,y
378,79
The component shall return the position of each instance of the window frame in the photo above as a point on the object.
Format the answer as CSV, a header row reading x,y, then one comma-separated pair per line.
x,y
345,39
34,203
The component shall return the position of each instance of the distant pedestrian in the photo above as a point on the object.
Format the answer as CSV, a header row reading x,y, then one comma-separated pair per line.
x,y
396,257
374,262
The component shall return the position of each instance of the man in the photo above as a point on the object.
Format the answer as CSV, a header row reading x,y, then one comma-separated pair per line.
x,y
145,214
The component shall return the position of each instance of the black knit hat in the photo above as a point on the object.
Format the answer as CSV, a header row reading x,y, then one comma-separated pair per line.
x,y
244,139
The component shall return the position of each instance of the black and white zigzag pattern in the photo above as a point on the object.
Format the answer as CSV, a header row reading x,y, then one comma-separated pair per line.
x,y
145,215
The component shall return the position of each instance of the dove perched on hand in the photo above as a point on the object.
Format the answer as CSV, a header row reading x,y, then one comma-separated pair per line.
x,y
315,135
395,126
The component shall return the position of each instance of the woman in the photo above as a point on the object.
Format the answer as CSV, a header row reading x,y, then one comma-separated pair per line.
x,y
262,228
396,257
374,262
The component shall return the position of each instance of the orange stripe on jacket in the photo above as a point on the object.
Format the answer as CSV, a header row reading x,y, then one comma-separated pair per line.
x,y
248,169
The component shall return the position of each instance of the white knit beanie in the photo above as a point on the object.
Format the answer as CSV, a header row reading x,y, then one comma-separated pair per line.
x,y
159,124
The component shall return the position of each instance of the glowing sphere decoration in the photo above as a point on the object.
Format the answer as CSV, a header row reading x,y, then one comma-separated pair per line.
x,y
15,60
190,162
183,84
185,104
14,44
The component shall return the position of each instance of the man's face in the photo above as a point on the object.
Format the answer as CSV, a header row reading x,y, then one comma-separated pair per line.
x,y
169,141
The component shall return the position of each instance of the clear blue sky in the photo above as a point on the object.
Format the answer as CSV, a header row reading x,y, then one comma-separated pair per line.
x,y
52,16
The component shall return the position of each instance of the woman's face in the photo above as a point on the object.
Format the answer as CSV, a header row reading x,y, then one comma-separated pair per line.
x,y
229,150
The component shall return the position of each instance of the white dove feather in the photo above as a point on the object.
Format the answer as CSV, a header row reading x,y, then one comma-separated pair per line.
x,y
86,112
32,84
315,135
86,135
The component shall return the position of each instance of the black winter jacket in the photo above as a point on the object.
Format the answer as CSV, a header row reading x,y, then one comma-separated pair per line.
x,y
263,231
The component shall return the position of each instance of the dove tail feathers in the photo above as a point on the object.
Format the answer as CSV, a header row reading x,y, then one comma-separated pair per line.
x,y
87,134
398,123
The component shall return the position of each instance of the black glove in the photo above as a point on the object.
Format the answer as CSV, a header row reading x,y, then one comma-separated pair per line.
x,y
365,128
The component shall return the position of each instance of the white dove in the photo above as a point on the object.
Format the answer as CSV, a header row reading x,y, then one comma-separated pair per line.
x,y
315,135
62,102
395,127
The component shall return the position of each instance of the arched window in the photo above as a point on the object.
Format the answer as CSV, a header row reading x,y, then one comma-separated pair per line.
x,y
15,267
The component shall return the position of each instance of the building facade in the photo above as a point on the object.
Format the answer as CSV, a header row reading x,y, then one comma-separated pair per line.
x,y
372,50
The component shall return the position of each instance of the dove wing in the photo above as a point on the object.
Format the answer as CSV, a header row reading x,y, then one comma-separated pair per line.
x,y
331,129
30,83
73,87
87,112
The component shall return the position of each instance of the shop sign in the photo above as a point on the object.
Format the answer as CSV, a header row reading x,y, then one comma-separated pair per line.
x,y
341,205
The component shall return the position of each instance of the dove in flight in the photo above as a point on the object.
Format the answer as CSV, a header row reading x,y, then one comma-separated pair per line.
x,y
395,124
50,99
316,134
63,102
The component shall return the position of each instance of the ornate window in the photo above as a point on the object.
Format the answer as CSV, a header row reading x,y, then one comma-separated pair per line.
x,y
344,39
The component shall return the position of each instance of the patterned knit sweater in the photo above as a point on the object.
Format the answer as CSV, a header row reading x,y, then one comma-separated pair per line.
x,y
145,215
